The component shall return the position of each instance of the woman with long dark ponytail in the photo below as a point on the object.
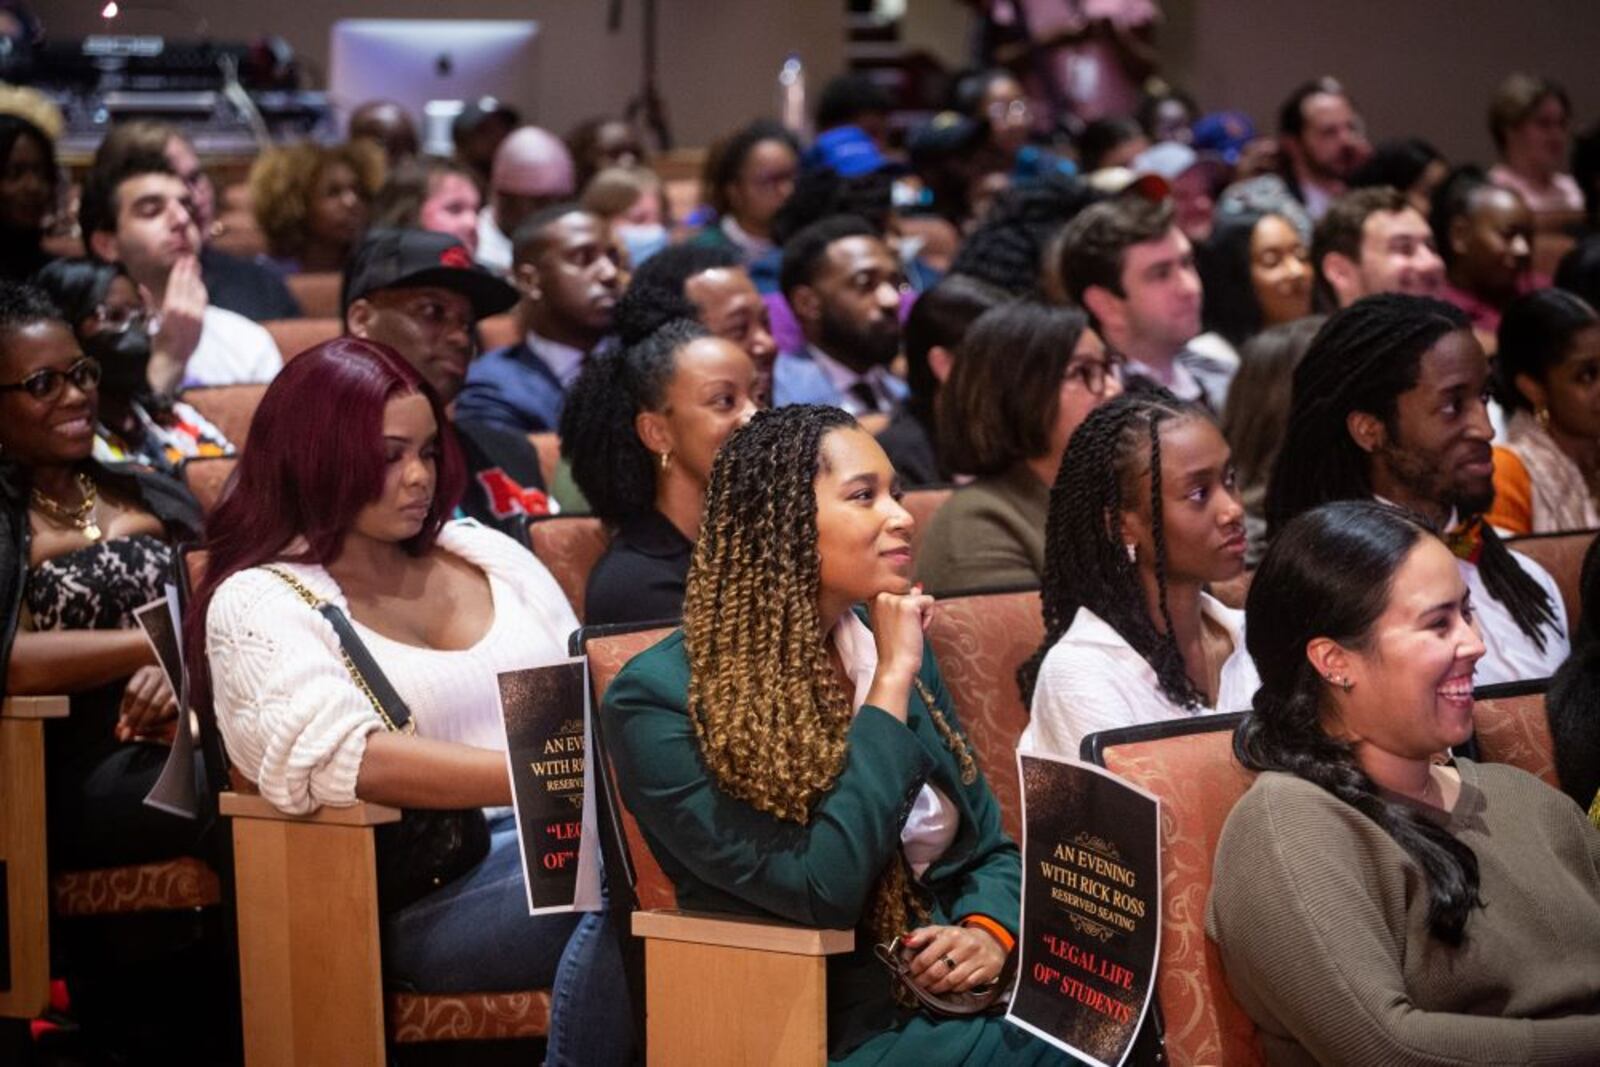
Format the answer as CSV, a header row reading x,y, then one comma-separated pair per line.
x,y
1373,901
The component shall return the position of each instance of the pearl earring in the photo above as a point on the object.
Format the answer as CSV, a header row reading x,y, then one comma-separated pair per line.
x,y
1133,552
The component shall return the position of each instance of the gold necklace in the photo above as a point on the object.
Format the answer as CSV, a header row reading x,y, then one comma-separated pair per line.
x,y
81,517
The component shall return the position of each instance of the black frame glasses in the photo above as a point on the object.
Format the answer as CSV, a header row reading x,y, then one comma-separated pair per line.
x,y
1093,374
45,384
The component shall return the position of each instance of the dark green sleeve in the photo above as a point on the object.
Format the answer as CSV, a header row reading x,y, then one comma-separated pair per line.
x,y
819,874
990,882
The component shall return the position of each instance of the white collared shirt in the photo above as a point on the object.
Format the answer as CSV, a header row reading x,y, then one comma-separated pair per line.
x,y
494,247
931,827
564,361
1094,680
842,378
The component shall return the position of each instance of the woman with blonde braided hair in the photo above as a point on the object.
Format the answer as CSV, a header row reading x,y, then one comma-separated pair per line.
x,y
791,755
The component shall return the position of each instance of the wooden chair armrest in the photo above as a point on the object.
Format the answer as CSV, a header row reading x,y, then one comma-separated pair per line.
x,y
764,935
249,806
43,707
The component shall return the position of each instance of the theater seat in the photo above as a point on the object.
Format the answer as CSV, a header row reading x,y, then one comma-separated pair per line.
x,y
1189,764
294,336
1562,555
317,293
570,546
229,408
980,640
718,989
206,477
922,503
1512,726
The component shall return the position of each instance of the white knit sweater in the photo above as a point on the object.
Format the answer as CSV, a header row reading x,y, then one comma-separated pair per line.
x,y
295,723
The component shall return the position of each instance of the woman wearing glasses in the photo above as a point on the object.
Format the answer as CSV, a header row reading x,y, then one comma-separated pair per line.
x,y
1025,376
136,425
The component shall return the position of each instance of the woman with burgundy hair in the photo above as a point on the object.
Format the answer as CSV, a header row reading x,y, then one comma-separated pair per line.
x,y
343,495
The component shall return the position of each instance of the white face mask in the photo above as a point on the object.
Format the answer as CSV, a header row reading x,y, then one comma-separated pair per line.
x,y
642,240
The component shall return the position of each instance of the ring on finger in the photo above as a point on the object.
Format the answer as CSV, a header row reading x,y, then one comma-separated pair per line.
x,y
949,962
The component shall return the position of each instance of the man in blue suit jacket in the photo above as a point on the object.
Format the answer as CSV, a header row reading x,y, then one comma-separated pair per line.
x,y
844,285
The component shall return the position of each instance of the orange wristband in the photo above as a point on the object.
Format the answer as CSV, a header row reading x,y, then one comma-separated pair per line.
x,y
989,926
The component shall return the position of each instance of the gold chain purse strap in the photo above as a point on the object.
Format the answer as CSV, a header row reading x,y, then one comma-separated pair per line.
x,y
332,613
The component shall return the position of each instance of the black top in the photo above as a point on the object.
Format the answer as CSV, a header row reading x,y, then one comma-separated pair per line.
x,y
909,444
504,482
641,577
1573,706
246,287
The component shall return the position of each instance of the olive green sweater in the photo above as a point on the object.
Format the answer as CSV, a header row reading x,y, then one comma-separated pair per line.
x,y
1322,923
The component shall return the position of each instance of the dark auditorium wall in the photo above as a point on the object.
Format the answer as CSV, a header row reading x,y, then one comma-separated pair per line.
x,y
1422,67
719,58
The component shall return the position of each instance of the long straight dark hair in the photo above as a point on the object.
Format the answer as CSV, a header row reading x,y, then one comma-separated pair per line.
x,y
313,460
1305,590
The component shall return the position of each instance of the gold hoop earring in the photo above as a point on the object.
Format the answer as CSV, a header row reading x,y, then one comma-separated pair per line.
x,y
1542,417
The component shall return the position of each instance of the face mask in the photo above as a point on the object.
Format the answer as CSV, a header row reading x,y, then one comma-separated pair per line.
x,y
642,241
123,359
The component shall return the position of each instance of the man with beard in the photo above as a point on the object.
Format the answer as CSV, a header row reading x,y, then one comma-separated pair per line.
x,y
420,293
569,270
1323,140
1374,241
844,286
1389,402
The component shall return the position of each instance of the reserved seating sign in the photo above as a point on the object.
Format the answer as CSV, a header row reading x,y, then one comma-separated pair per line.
x,y
1091,908
546,712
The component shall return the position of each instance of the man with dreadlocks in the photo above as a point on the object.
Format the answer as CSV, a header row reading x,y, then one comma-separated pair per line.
x,y
1390,402
789,755
1144,514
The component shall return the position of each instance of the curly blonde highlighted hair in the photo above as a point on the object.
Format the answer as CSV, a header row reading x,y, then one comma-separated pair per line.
x,y
283,180
769,711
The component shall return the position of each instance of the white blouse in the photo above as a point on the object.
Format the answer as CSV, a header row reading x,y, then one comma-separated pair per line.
x,y
1094,680
931,827
295,722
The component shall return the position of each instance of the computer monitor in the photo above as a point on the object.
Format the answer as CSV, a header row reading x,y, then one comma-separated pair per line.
x,y
414,61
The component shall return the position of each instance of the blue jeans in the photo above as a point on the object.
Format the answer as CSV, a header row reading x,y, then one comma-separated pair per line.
x,y
475,935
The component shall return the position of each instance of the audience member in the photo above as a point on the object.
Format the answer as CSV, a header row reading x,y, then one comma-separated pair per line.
x,y
641,430
300,719
866,735
420,293
532,172
570,273
1167,116
102,305
1485,234
1322,140
1017,248
1411,165
311,202
387,125
1257,273
28,178
1574,697
630,200
1257,415
430,193
933,333
137,212
1109,143
855,100
1547,378
1144,514
233,283
599,144
1195,182
1374,241
1366,877
1132,269
1389,402
844,286
1529,119
478,132
1026,376
747,178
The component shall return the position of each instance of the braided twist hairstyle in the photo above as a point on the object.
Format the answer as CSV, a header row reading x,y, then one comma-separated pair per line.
x,y
1363,359
770,715
1303,591
1085,562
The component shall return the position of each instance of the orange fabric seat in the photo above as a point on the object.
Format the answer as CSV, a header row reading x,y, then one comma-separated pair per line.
x,y
570,546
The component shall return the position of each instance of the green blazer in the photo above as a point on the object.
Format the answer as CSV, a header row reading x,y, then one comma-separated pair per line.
x,y
725,856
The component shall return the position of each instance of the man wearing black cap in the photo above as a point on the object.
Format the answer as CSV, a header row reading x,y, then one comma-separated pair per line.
x,y
421,294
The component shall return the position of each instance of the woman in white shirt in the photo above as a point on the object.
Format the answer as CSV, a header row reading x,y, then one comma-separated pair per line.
x,y
1144,514
442,608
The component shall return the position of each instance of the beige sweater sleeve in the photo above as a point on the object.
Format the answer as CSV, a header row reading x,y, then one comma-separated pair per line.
x,y
1308,909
